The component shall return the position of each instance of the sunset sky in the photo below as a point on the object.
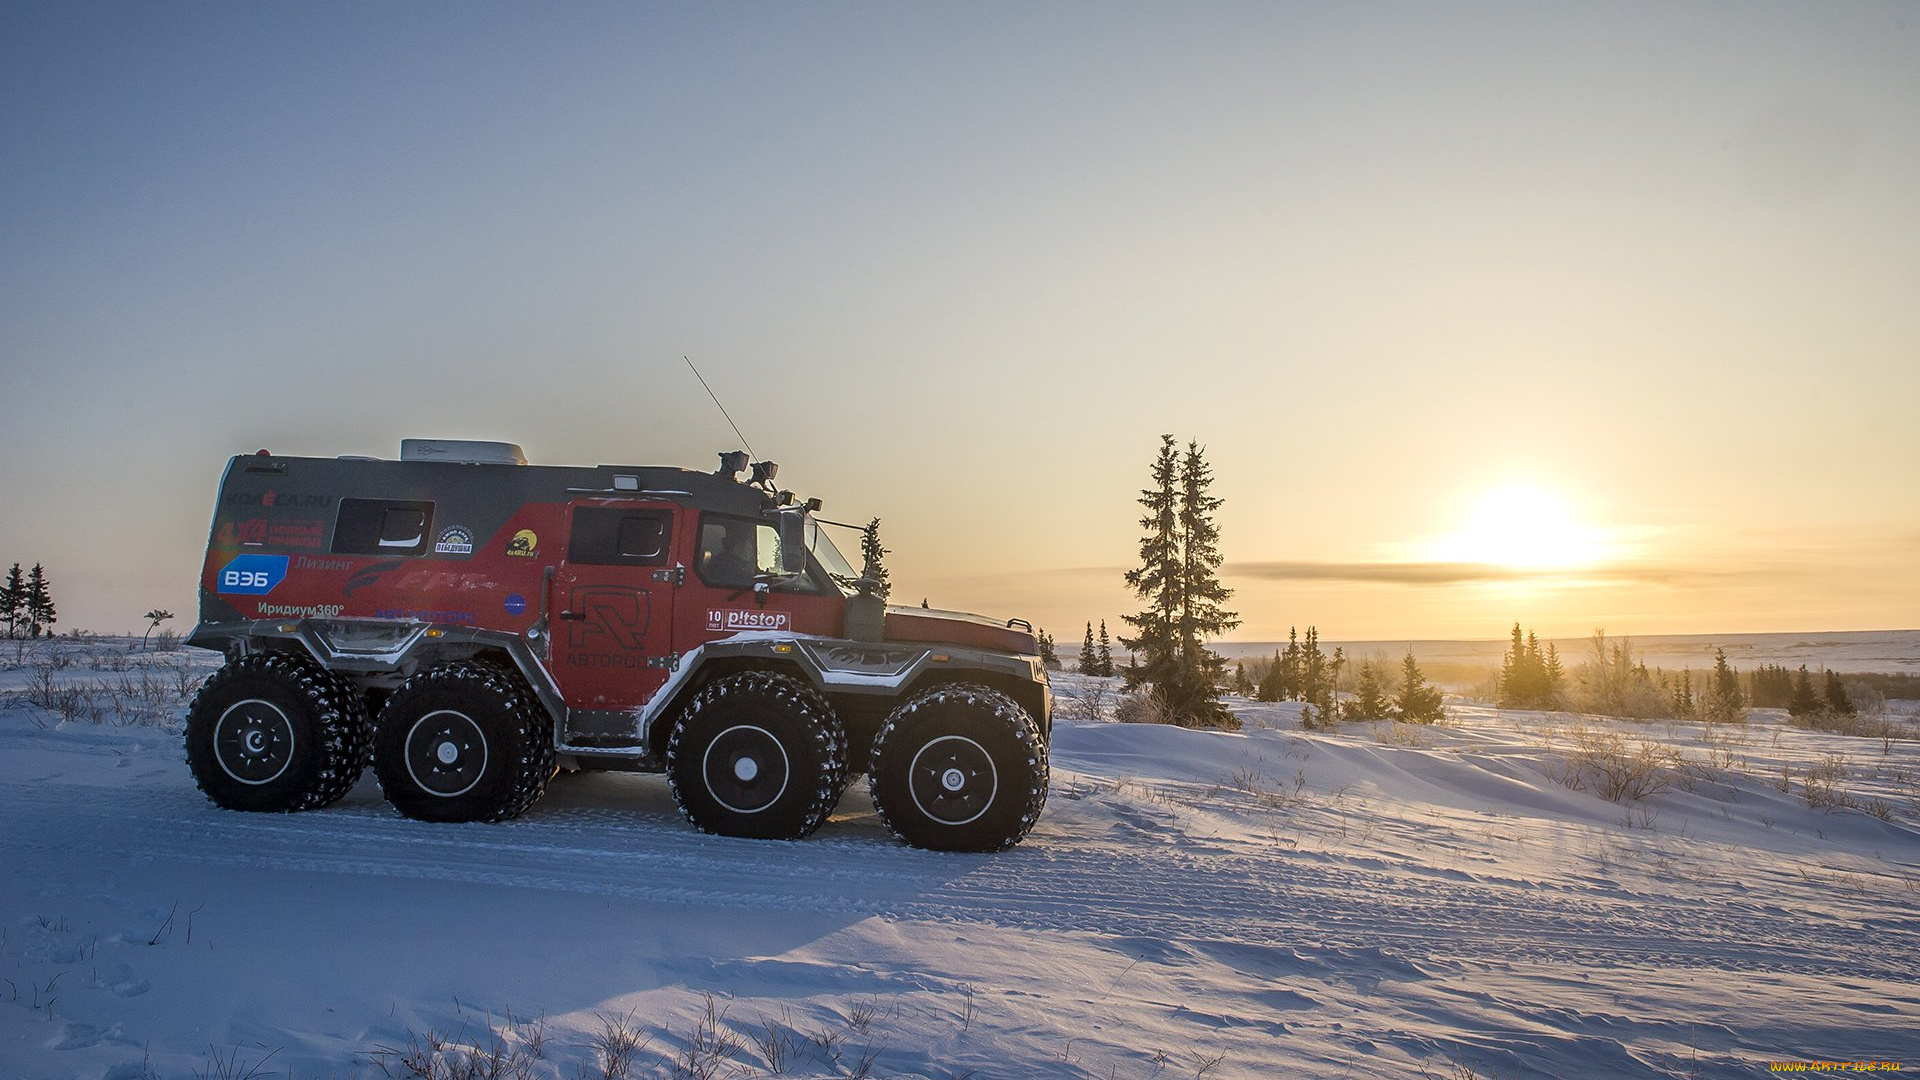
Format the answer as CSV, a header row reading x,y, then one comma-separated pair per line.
x,y
1583,315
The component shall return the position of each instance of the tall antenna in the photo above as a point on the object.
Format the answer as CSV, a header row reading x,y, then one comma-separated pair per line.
x,y
722,408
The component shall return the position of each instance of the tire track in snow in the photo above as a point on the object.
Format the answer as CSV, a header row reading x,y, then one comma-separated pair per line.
x,y
1280,902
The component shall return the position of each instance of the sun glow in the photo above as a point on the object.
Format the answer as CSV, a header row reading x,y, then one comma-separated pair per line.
x,y
1522,527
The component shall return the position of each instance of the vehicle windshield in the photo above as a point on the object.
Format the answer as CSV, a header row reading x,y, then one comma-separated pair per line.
x,y
834,563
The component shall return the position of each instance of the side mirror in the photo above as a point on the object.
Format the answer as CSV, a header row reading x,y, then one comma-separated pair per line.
x,y
793,542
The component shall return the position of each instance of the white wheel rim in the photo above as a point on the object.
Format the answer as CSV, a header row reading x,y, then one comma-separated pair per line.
x,y
247,730
951,778
746,768
445,751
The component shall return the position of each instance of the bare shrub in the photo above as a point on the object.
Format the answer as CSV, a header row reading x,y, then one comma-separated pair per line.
x,y
186,681
1614,682
1270,792
1616,770
1147,708
1150,707
1820,784
616,1044
776,1043
1093,704
233,1066
500,1054
1395,733
1858,725
709,1047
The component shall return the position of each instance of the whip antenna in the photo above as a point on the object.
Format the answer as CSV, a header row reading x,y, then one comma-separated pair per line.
x,y
717,405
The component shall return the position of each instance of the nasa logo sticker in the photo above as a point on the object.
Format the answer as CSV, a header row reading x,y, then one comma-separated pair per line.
x,y
454,540
524,543
516,604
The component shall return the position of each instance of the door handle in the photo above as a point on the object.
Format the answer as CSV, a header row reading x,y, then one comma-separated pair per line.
x,y
573,616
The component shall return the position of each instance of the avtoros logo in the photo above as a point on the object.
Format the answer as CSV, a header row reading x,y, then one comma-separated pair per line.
x,y
251,575
608,615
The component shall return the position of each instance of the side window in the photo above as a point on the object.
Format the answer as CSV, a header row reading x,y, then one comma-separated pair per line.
x,y
612,536
734,550
382,527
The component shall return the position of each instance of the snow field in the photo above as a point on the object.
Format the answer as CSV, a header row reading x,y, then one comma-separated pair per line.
x,y
1381,900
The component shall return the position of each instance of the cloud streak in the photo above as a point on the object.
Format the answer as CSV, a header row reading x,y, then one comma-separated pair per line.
x,y
1459,573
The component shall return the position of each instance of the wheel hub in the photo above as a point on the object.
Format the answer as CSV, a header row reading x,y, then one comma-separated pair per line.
x,y
953,780
745,769
253,742
446,753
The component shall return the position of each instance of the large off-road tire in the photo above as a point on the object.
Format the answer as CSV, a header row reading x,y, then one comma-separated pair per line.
x,y
275,732
464,741
959,768
757,755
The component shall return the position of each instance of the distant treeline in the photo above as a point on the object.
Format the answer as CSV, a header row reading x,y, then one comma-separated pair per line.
x,y
1886,685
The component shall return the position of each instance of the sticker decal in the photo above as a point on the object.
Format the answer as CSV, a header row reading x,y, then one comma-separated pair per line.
x,y
735,619
524,543
251,575
260,532
516,604
452,618
607,616
454,540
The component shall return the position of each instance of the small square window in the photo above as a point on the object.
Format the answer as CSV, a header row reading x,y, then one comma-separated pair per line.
x,y
382,527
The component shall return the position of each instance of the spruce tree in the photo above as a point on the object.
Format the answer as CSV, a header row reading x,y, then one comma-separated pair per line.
x,y
1369,700
1418,703
1089,660
1804,701
1106,650
1509,693
1556,679
1157,579
1838,703
1726,681
1683,708
1530,676
1313,667
13,600
873,555
1291,665
1179,581
1721,701
1772,686
1048,658
1269,688
39,605
1203,612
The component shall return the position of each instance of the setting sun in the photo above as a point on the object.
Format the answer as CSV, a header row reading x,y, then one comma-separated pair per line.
x,y
1522,527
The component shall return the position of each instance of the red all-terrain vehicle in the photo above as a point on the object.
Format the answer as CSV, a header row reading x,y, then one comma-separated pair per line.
x,y
472,623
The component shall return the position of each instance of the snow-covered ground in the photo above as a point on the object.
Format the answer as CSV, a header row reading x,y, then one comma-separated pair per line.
x,y
1376,901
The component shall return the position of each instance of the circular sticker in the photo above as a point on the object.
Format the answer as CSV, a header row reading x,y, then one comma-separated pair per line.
x,y
516,604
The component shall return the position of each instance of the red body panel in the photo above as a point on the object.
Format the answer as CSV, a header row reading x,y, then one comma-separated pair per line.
x,y
600,660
